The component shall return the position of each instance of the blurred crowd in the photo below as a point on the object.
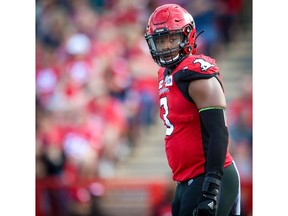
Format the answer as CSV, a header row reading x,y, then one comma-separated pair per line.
x,y
96,83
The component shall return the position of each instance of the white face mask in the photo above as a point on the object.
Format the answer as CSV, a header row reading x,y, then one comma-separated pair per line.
x,y
169,60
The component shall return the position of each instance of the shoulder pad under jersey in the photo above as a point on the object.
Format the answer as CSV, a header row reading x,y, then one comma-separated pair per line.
x,y
199,64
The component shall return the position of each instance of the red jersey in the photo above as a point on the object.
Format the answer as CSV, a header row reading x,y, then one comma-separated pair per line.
x,y
185,141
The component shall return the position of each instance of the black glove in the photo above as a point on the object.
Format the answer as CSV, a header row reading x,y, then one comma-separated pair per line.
x,y
207,204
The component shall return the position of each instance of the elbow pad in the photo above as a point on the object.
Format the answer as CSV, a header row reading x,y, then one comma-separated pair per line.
x,y
214,122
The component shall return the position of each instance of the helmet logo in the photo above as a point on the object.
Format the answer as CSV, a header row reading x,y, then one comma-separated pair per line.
x,y
161,17
204,65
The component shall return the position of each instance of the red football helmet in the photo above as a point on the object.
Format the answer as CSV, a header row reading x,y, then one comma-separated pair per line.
x,y
173,25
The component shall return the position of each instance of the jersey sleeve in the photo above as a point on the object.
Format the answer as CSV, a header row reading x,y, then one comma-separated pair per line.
x,y
197,67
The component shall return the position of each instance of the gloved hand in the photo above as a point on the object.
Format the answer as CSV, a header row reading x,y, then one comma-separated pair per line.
x,y
205,207
207,204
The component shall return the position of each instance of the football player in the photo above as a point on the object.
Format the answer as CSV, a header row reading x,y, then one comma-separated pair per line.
x,y
192,107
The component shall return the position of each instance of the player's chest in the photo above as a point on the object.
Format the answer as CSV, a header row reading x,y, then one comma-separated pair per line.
x,y
171,98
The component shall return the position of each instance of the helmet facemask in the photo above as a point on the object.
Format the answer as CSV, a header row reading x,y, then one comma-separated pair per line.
x,y
168,48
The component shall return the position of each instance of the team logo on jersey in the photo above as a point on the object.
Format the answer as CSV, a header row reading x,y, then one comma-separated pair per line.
x,y
168,80
204,65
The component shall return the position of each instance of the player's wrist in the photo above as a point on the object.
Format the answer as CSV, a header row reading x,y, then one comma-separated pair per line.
x,y
211,185
207,203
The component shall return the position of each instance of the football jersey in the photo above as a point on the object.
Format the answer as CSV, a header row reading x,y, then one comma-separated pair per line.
x,y
185,142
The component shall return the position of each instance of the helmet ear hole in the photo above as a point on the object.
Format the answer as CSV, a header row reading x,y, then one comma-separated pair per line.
x,y
187,30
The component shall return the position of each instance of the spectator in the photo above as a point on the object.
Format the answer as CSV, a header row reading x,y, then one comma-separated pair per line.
x,y
240,114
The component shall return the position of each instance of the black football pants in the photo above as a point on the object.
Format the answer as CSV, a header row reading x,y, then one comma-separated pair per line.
x,y
188,192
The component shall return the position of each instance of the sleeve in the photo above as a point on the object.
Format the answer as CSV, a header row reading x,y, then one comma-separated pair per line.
x,y
213,121
184,77
188,75
197,67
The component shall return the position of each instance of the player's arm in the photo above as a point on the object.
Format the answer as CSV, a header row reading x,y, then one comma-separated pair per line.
x,y
210,100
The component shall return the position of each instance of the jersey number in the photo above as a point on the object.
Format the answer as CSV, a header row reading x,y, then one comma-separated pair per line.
x,y
169,126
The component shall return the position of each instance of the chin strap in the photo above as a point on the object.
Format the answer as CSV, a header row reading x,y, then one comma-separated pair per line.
x,y
195,45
